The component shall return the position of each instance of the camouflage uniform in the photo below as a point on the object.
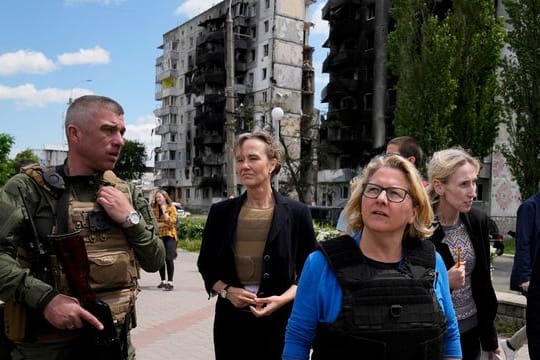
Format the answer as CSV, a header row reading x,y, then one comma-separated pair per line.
x,y
18,284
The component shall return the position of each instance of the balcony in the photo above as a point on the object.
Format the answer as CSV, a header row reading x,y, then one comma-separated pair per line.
x,y
164,129
214,181
209,118
211,37
166,110
334,5
206,139
208,160
340,59
171,91
167,182
166,74
216,57
167,164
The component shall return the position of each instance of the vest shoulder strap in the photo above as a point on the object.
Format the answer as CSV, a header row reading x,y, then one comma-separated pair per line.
x,y
46,177
341,252
110,178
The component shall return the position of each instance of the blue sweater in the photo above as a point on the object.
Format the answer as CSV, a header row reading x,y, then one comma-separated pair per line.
x,y
318,300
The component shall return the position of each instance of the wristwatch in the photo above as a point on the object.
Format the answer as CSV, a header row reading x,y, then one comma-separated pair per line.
x,y
132,219
223,292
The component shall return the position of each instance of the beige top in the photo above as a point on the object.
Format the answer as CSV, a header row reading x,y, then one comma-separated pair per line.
x,y
251,234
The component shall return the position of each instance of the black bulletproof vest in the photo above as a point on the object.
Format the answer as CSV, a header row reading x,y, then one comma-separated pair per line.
x,y
385,314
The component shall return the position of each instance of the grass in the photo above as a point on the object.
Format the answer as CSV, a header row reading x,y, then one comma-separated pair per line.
x,y
509,246
507,328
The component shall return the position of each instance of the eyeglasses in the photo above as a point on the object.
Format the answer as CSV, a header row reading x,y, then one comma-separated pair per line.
x,y
393,194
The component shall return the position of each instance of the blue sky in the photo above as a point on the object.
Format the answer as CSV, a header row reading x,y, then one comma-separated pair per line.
x,y
56,49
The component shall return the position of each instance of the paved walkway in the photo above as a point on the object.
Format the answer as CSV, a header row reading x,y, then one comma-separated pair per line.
x,y
178,324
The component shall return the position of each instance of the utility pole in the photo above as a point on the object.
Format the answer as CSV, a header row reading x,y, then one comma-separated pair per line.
x,y
229,105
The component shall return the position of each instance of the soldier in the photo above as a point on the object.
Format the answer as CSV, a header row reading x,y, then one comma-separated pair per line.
x,y
71,240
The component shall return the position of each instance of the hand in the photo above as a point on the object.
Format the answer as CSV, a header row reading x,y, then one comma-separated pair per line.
x,y
65,312
492,355
240,297
265,306
525,286
114,202
456,275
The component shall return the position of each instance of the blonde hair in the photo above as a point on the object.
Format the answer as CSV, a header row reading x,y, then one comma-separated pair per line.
x,y
272,147
422,226
444,164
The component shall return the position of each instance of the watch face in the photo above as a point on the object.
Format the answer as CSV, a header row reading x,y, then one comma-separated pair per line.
x,y
134,218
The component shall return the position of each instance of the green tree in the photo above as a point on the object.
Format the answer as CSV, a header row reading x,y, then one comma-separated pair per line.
x,y
521,92
445,60
6,165
23,158
131,164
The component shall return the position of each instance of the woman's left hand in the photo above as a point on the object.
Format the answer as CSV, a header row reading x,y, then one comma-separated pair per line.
x,y
266,306
492,355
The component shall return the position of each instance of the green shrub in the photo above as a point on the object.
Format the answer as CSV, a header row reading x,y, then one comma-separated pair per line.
x,y
324,231
190,232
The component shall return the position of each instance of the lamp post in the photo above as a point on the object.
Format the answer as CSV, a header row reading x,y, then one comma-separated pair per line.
x,y
70,100
277,115
229,105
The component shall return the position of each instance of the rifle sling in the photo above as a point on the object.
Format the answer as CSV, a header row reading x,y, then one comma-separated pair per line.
x,y
62,205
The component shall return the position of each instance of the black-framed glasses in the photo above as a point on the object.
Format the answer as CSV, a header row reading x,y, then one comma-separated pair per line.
x,y
393,193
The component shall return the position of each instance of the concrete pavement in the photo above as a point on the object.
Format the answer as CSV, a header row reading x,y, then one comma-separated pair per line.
x,y
177,324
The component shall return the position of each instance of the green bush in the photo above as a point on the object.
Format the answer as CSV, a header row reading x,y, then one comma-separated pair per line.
x,y
190,232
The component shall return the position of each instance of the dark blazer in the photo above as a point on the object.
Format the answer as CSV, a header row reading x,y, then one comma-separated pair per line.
x,y
527,238
290,240
528,263
476,223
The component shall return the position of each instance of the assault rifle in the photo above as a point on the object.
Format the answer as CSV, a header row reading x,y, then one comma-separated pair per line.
x,y
38,257
103,344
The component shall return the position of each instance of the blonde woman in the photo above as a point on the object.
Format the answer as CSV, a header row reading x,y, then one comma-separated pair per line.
x,y
252,252
165,213
462,239
383,293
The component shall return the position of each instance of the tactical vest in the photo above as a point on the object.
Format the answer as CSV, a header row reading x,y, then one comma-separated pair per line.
x,y
113,268
385,314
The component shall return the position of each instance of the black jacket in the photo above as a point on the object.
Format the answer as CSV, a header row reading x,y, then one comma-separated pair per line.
x,y
290,240
476,223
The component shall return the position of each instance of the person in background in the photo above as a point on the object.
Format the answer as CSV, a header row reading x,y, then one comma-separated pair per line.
x,y
342,225
252,252
115,227
462,239
527,239
408,147
351,285
165,213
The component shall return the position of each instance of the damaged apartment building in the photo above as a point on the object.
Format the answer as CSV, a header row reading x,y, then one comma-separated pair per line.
x,y
272,68
359,94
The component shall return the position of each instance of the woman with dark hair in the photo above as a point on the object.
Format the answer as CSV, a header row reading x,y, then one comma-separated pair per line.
x,y
252,252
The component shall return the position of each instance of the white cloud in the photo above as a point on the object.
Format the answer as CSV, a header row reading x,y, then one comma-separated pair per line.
x,y
96,55
142,131
190,8
28,96
25,62
320,25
